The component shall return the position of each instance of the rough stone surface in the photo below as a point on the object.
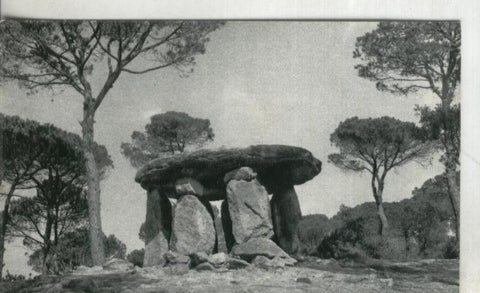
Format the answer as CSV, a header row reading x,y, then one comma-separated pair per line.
x,y
243,173
227,226
158,226
286,216
174,258
116,264
261,262
258,246
209,208
205,267
273,163
192,227
235,264
198,258
222,244
154,251
249,209
188,186
217,259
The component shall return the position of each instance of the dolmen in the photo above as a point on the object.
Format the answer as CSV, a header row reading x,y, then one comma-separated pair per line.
x,y
260,211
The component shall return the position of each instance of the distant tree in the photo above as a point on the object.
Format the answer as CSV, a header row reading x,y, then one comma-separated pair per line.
x,y
136,257
80,54
311,231
428,215
377,146
49,161
404,57
73,250
167,134
433,121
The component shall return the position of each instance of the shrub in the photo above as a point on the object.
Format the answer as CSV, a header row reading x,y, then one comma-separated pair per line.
x,y
136,257
311,231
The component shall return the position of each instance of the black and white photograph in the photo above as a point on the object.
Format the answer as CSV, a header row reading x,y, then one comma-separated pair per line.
x,y
217,155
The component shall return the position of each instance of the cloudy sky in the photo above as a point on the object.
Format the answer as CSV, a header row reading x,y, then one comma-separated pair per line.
x,y
258,83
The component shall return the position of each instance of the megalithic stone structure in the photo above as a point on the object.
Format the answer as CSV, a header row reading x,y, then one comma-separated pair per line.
x,y
158,227
243,179
286,216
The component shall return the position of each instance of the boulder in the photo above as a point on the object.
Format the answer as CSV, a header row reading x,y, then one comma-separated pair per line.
x,y
175,258
235,263
243,173
158,226
261,262
192,227
198,258
217,259
116,264
286,216
274,164
258,246
155,250
188,186
249,209
205,267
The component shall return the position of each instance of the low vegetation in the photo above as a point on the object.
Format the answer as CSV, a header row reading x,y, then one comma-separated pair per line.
x,y
421,227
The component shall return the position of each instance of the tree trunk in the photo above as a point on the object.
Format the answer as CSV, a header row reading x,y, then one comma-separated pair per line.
x,y
93,190
378,195
382,218
3,226
46,248
2,214
450,157
454,193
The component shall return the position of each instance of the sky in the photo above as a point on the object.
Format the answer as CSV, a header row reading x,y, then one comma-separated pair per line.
x,y
259,83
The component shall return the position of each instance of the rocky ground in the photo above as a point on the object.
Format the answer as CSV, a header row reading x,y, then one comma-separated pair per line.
x,y
311,275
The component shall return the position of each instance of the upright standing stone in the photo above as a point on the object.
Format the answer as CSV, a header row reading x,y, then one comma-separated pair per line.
x,y
192,227
158,226
249,208
209,208
286,216
227,226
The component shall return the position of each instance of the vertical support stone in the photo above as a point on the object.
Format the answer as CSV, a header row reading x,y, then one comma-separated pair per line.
x,y
158,227
248,205
286,216
192,227
227,225
209,208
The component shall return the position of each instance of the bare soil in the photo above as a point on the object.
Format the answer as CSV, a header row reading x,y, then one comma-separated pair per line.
x,y
311,275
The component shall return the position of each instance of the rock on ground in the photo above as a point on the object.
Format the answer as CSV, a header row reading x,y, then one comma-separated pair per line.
x,y
192,227
217,259
155,250
258,246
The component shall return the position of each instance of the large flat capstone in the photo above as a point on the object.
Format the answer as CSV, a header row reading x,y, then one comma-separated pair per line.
x,y
274,164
